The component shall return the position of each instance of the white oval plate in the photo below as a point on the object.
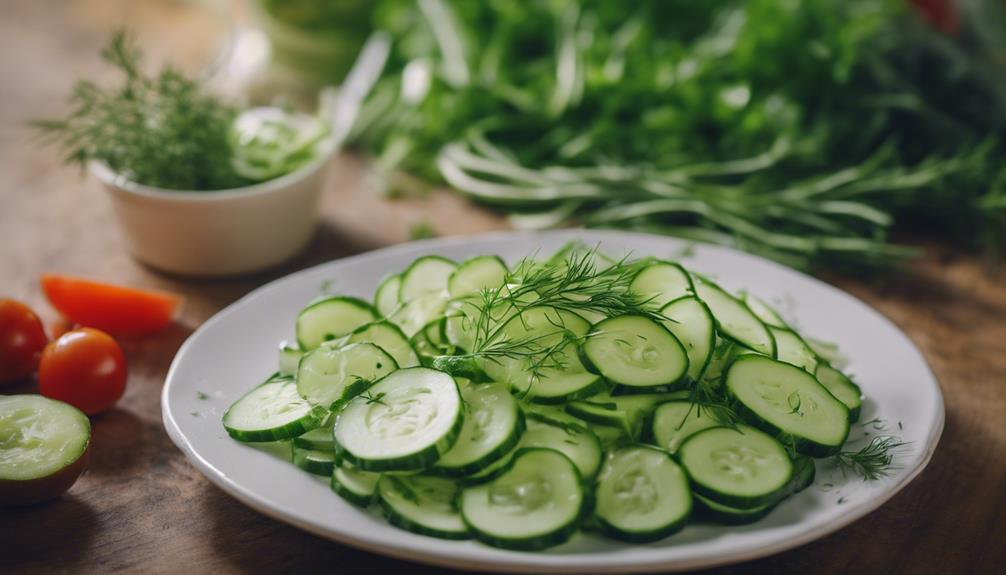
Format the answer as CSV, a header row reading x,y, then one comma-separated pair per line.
x,y
236,349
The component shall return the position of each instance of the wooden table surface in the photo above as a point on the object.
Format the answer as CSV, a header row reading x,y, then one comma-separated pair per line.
x,y
142,507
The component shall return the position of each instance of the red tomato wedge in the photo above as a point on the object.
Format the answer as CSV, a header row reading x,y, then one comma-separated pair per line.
x,y
115,309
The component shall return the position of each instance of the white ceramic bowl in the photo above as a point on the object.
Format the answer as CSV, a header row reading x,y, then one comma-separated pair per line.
x,y
220,232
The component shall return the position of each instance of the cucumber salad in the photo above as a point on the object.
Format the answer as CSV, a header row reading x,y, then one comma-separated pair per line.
x,y
519,405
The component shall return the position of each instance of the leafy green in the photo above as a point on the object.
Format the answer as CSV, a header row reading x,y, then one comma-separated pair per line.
x,y
801,130
162,130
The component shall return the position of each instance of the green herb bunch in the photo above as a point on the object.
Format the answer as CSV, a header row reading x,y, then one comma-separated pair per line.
x,y
164,131
801,130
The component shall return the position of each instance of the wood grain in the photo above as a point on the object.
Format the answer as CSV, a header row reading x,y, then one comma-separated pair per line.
x,y
142,507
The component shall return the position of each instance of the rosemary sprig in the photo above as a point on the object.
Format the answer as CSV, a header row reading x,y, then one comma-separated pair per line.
x,y
873,461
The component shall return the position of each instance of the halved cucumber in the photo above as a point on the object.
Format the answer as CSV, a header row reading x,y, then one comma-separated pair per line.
x,y
329,376
476,274
428,274
734,319
676,421
843,388
574,440
738,467
289,357
635,351
642,495
44,447
330,317
537,503
388,336
791,348
404,422
422,504
314,461
661,283
386,296
786,400
692,323
566,379
493,426
357,487
272,411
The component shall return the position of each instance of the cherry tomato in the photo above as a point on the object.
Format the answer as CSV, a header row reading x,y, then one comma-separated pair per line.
x,y
22,339
116,309
85,368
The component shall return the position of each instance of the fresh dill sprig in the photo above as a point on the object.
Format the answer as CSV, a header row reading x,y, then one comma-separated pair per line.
x,y
873,461
379,398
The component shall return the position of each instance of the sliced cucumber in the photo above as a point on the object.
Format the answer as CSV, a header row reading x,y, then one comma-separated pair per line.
x,y
388,336
791,348
404,422
642,495
272,411
566,379
426,275
330,376
357,487
635,351
386,297
422,504
493,426
537,503
319,438
786,400
574,440
692,323
315,461
843,388
44,447
768,315
289,357
330,317
734,319
804,471
476,274
415,314
676,421
727,515
738,467
661,283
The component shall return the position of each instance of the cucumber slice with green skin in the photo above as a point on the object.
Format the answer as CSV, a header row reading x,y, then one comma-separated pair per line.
x,y
734,319
428,274
330,376
538,502
661,283
289,357
405,422
555,384
635,351
413,315
273,411
791,349
738,467
804,471
692,323
314,461
768,315
727,515
493,425
388,337
642,495
576,249
676,421
790,403
386,296
491,471
476,274
357,487
330,317
44,447
575,441
319,438
842,388
422,504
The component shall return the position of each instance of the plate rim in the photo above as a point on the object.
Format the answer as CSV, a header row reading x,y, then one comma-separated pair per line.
x,y
397,551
